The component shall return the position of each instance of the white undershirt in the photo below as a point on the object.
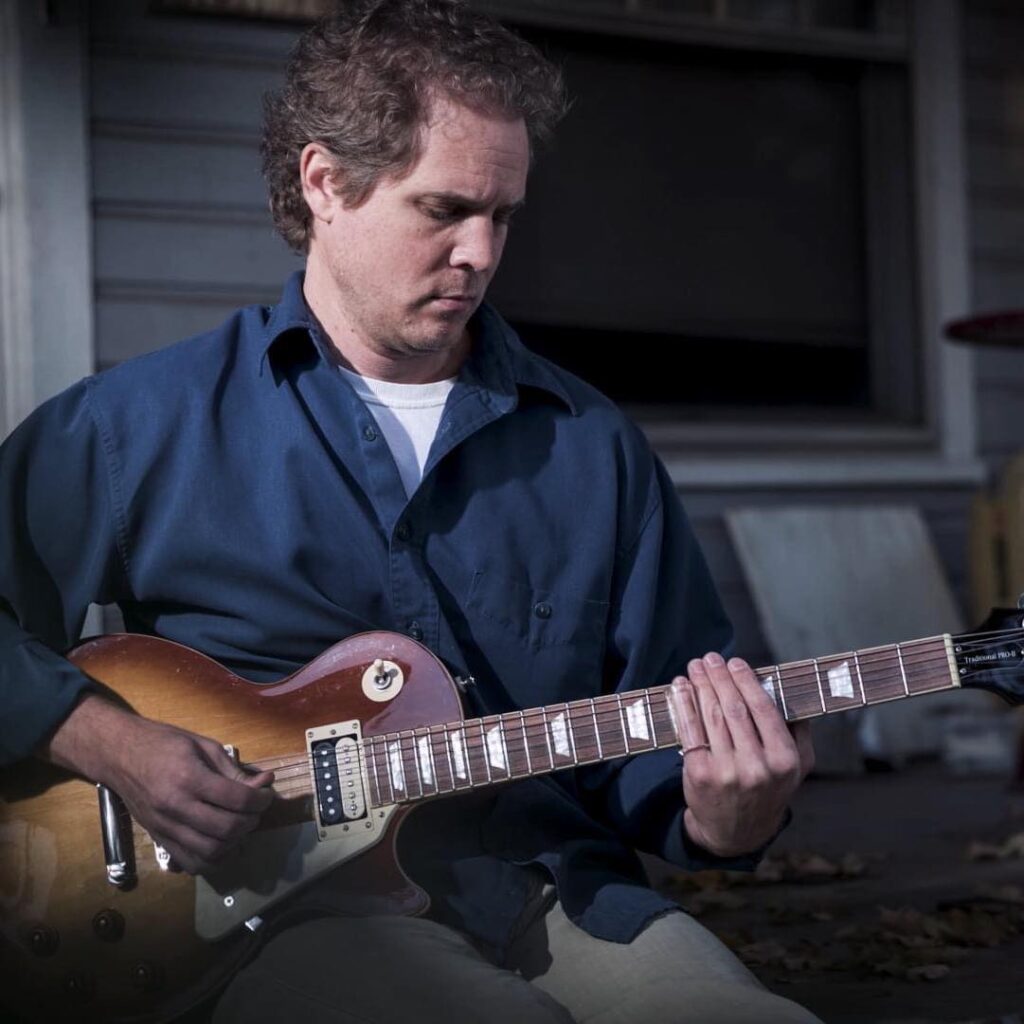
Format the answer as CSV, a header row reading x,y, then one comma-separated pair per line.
x,y
408,416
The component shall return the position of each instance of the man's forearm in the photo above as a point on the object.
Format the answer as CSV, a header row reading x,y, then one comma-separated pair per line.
x,y
87,740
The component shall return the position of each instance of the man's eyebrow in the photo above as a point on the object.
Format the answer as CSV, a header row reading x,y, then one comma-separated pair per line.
x,y
464,202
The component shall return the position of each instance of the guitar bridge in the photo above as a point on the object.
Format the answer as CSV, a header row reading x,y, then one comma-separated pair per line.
x,y
339,779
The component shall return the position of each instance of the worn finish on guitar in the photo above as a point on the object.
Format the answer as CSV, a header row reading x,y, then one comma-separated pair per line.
x,y
73,946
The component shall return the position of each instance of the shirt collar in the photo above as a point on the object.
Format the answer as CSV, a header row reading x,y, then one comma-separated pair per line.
x,y
499,362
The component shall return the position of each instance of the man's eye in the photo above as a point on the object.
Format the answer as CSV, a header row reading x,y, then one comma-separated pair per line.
x,y
441,213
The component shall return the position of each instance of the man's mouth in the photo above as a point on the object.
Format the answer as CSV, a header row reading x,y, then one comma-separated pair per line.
x,y
454,301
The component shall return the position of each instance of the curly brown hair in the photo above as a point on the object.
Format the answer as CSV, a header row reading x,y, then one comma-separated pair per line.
x,y
360,82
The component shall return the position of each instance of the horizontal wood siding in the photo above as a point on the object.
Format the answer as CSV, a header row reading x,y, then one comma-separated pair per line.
x,y
182,235
994,92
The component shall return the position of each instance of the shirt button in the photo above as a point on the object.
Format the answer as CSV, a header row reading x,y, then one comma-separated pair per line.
x,y
369,433
404,531
415,631
542,610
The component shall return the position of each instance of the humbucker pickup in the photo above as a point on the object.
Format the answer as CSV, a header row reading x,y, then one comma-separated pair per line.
x,y
338,775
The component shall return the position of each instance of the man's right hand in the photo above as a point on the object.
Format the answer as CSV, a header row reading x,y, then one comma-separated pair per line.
x,y
184,789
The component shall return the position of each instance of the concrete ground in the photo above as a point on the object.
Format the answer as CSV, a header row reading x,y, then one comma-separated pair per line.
x,y
906,902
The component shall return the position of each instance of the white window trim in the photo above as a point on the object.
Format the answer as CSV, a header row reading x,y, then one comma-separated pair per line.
x,y
944,451
46,312
15,355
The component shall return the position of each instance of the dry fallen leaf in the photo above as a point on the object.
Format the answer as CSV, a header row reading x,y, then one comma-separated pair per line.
x,y
1010,847
928,972
809,867
711,899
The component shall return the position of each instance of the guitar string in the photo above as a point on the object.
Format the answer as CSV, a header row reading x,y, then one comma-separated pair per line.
x,y
585,753
796,673
297,767
410,758
581,712
800,682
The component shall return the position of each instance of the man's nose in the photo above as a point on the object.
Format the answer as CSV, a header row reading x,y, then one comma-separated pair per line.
x,y
478,245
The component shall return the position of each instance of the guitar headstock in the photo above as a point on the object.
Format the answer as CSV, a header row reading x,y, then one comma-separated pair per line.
x,y
991,657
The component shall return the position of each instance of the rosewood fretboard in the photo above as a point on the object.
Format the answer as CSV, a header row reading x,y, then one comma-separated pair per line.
x,y
403,767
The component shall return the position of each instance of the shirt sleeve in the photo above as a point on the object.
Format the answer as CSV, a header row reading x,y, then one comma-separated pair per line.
x,y
665,611
58,553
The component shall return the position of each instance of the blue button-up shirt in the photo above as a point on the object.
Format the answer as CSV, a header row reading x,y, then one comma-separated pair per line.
x,y
232,493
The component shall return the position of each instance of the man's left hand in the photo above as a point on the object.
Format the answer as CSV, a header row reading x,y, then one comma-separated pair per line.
x,y
741,761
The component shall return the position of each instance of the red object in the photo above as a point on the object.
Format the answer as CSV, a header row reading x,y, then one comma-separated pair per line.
x,y
1001,329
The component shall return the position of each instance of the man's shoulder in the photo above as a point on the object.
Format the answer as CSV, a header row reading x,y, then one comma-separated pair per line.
x,y
189,366
594,416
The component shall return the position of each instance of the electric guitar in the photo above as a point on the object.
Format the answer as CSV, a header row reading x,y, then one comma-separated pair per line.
x,y
93,927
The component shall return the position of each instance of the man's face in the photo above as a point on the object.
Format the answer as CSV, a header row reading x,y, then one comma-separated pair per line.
x,y
401,274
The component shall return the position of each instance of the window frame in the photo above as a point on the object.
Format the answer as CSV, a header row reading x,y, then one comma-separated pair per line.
x,y
943,447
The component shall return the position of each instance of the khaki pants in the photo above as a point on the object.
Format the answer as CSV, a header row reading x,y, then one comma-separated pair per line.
x,y
386,970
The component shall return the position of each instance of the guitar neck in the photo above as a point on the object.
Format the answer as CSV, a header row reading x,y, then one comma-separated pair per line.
x,y
408,766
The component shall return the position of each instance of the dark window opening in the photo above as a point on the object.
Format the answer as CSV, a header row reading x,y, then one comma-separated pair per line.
x,y
739,219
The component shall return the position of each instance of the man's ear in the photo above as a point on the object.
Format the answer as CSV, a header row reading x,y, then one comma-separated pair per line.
x,y
319,176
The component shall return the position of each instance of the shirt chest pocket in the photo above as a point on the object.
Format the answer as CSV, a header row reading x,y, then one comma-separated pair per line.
x,y
537,619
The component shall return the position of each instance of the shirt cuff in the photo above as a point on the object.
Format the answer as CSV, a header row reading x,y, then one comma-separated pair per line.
x,y
680,849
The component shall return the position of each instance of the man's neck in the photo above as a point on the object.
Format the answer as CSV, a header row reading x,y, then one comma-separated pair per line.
x,y
355,354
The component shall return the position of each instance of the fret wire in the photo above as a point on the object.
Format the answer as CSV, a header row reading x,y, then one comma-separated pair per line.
x,y
569,730
821,692
860,679
662,714
391,774
650,718
483,750
376,780
390,767
415,761
433,761
448,756
526,743
547,737
414,750
622,723
466,754
597,730
504,745
387,770
903,673
782,691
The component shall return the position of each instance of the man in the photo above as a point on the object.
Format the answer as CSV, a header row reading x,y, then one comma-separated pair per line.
x,y
380,451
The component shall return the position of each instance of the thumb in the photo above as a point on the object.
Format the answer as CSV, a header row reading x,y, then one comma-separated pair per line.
x,y
223,763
